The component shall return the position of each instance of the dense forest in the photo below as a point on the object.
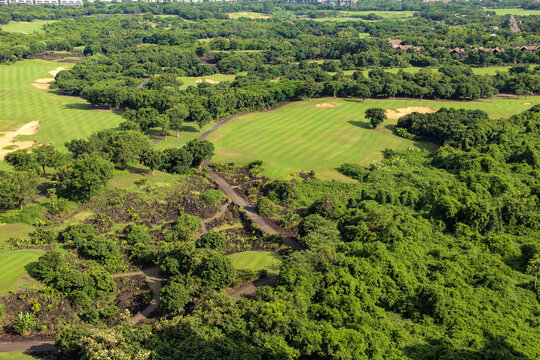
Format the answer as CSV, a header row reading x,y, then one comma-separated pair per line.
x,y
425,254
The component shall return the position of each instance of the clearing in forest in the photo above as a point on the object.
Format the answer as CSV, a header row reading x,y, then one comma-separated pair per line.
x,y
256,260
301,136
24,27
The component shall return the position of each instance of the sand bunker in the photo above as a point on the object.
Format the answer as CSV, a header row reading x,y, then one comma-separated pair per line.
x,y
57,70
248,15
43,83
527,103
7,140
397,113
210,81
325,105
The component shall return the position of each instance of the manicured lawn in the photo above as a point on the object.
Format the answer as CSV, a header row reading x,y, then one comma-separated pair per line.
x,y
256,260
188,132
301,136
14,265
62,117
17,230
16,355
26,27
248,14
125,179
194,80
520,12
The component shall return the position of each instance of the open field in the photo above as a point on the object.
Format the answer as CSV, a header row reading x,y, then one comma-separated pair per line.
x,y
302,136
61,118
212,79
14,266
256,260
25,27
353,15
17,230
247,14
517,12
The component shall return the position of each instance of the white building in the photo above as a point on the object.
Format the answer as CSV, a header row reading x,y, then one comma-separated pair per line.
x,y
27,2
46,2
71,2
4,2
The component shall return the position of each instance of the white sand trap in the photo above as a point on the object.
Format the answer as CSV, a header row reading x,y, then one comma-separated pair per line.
x,y
43,83
325,105
198,81
397,113
527,103
211,81
57,70
41,86
7,140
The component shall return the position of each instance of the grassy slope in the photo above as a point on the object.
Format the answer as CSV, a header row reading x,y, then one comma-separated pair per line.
x,y
14,265
256,260
192,80
300,136
26,27
520,12
62,117
17,230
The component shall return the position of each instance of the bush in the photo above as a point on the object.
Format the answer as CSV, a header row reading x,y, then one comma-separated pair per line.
x,y
68,342
245,275
138,234
212,240
173,297
328,207
213,197
24,323
44,236
185,227
78,235
28,215
266,207
48,265
109,311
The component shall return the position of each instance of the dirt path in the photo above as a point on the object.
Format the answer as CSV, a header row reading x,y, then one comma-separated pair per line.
x,y
154,282
513,24
221,211
142,83
249,289
31,346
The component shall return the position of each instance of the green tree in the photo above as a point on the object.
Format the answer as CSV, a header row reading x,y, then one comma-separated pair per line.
x,y
21,160
153,159
376,116
82,177
200,150
47,155
173,298
177,115
533,268
212,240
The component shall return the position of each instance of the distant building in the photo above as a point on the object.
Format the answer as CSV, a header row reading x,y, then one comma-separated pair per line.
x,y
46,2
27,2
71,2
4,2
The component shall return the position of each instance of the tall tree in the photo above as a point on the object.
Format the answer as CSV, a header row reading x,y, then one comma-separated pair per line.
x,y
177,115
153,159
47,155
376,116
82,177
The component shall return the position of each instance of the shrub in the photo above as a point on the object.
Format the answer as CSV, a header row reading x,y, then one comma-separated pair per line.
x,y
138,234
78,235
44,236
28,215
266,207
245,275
213,197
173,297
48,265
68,342
24,323
289,218
109,311
212,240
328,207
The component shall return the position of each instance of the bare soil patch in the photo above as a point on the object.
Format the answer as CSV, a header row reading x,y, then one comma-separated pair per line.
x,y
57,70
8,139
248,15
399,112
325,105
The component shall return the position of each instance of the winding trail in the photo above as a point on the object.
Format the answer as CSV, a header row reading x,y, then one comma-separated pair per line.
x,y
221,211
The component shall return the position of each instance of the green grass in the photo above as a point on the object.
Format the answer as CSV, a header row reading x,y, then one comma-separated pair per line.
x,y
350,15
14,266
300,136
126,179
520,12
194,80
62,117
26,27
16,230
16,355
256,260
188,132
